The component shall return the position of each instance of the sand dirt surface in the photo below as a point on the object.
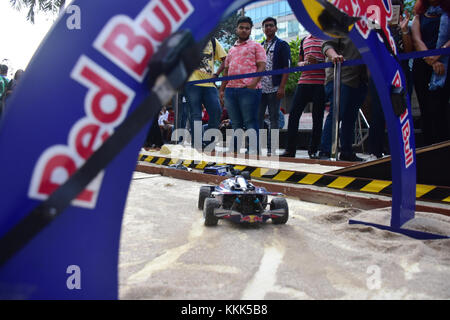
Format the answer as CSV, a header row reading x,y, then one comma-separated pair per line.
x,y
167,253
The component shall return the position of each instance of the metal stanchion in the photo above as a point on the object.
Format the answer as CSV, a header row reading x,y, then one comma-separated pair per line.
x,y
176,105
336,106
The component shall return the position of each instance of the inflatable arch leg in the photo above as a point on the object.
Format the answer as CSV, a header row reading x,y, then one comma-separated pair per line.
x,y
370,33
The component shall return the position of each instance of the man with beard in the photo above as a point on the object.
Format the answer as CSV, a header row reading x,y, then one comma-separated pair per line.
x,y
242,96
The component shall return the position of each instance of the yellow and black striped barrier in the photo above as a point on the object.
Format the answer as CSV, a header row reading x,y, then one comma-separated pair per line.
x,y
382,187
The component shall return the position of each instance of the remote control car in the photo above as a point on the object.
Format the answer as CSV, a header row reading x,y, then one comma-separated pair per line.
x,y
179,166
238,200
220,170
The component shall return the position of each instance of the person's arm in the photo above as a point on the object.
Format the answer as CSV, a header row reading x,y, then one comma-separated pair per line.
x,y
417,35
301,60
310,59
220,55
260,62
333,55
406,34
166,118
446,45
301,55
439,68
328,50
223,85
284,78
282,88
221,68
418,42
260,67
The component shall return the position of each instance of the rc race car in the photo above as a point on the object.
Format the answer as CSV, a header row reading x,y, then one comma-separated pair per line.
x,y
238,200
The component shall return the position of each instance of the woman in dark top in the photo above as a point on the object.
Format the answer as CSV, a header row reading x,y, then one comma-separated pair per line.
x,y
434,104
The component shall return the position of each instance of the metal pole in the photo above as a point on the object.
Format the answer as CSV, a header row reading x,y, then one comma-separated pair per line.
x,y
176,105
336,107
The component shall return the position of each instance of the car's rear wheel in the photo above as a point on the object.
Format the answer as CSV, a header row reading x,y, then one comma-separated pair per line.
x,y
208,211
280,203
205,192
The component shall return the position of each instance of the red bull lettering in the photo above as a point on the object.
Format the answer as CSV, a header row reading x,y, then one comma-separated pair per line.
x,y
406,127
130,44
106,105
375,13
408,152
397,82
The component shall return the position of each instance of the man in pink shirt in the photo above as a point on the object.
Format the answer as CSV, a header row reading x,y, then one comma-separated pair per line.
x,y
242,96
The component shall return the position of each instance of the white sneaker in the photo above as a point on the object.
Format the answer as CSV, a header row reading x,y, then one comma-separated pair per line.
x,y
371,157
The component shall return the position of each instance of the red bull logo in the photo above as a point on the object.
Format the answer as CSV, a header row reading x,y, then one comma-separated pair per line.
x,y
129,44
406,135
375,14
251,219
408,152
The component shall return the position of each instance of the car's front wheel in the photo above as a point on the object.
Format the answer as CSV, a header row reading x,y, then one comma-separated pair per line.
x,y
280,203
208,211
205,192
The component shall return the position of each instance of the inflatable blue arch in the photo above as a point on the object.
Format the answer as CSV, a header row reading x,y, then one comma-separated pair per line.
x,y
81,89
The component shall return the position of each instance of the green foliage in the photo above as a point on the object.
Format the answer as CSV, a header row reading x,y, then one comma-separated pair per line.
x,y
291,84
34,6
409,6
226,30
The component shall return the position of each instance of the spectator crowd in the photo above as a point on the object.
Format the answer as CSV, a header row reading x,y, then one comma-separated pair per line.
x,y
254,103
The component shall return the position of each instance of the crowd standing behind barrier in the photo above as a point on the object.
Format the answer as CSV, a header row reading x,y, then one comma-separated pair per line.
x,y
242,94
248,98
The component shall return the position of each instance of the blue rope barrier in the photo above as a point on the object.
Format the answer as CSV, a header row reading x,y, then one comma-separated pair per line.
x,y
403,56
423,54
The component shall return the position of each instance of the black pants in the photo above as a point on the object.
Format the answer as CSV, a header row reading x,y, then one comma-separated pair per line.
x,y
304,94
434,107
154,135
269,100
